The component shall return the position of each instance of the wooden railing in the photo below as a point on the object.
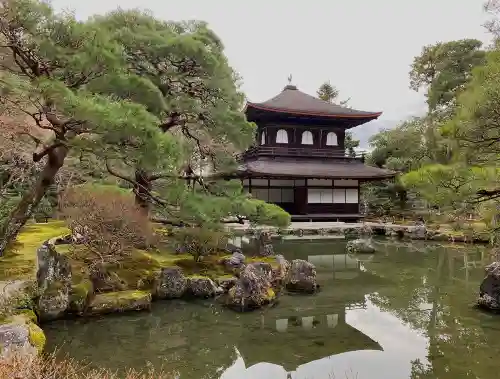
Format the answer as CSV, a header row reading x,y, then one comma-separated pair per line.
x,y
258,151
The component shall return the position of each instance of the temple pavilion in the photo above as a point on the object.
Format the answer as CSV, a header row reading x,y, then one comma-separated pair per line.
x,y
299,160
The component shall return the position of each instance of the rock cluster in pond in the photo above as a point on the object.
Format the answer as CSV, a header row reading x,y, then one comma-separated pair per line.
x,y
252,290
360,246
247,284
489,291
259,282
301,277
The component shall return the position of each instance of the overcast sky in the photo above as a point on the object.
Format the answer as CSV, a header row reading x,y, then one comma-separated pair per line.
x,y
364,47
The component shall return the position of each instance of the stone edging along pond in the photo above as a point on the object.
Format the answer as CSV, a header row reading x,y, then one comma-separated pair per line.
x,y
411,232
242,284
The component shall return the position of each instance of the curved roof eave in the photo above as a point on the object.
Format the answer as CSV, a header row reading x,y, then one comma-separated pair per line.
x,y
258,106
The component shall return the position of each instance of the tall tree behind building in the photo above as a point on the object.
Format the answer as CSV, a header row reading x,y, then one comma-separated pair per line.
x,y
329,93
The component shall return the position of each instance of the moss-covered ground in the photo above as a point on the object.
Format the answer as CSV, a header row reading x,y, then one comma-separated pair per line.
x,y
135,271
19,261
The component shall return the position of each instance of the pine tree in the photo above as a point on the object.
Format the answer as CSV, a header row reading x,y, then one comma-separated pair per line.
x,y
327,92
147,99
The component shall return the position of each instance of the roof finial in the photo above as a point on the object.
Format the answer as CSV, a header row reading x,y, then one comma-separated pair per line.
x,y
289,86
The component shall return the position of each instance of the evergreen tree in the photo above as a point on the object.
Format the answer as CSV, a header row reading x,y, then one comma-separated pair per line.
x,y
327,92
136,94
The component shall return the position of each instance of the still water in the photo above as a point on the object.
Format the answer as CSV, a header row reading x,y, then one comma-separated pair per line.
x,y
405,312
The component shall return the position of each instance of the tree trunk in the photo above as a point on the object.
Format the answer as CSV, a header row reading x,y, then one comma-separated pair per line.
x,y
28,203
142,189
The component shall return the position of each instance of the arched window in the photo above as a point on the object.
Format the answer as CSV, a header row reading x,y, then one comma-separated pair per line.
x,y
307,138
331,139
282,136
263,138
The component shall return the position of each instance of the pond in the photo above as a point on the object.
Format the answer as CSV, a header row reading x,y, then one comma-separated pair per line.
x,y
405,312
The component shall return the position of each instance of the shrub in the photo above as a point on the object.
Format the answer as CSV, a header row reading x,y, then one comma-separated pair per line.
x,y
200,241
106,222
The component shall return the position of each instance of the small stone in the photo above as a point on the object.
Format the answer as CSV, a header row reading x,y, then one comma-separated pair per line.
x,y
236,260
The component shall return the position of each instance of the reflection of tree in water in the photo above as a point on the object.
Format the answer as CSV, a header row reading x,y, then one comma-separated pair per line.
x,y
436,297
173,336
426,287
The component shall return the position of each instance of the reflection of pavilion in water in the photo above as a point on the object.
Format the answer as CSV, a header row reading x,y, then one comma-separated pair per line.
x,y
294,337
304,329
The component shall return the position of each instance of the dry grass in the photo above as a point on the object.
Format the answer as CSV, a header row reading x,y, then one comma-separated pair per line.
x,y
19,367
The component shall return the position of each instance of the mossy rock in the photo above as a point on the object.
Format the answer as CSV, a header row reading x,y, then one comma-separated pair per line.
x,y
29,315
201,286
37,337
20,332
137,271
271,295
121,301
80,295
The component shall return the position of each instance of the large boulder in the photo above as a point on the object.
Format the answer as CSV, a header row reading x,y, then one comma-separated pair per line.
x,y
19,334
121,301
360,246
252,290
301,277
54,282
170,284
489,290
201,286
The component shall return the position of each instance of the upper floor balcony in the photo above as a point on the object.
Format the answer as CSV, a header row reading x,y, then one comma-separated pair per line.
x,y
298,152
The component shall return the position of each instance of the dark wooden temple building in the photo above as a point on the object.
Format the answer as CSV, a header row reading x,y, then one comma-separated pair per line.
x,y
299,161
